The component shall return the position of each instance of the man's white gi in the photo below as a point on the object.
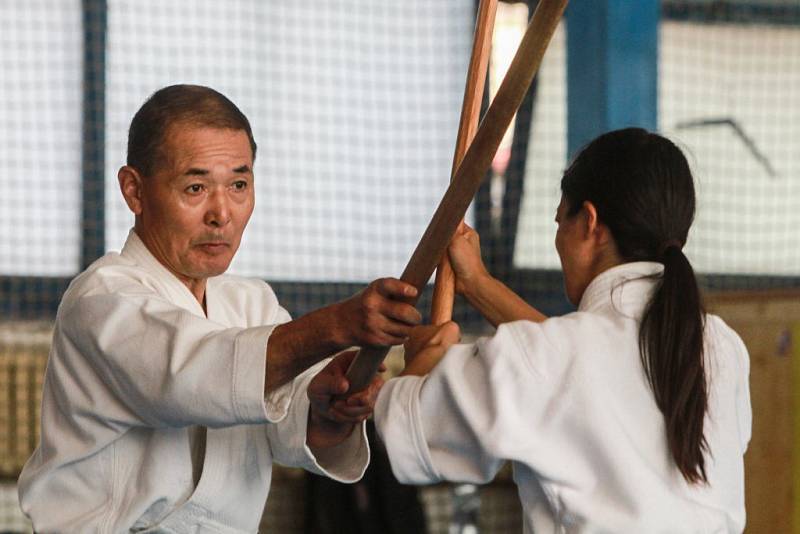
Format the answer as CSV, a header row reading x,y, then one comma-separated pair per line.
x,y
134,367
568,403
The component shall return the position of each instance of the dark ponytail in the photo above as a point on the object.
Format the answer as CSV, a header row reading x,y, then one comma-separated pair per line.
x,y
671,346
642,187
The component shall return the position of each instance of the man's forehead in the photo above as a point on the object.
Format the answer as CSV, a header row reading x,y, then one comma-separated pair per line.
x,y
192,145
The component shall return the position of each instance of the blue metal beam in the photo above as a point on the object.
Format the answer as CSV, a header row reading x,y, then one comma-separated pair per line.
x,y
93,225
612,67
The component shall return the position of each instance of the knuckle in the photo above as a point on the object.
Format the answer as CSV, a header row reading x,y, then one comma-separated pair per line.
x,y
375,286
371,301
371,323
383,340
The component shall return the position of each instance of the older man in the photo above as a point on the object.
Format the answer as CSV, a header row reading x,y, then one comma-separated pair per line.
x,y
171,388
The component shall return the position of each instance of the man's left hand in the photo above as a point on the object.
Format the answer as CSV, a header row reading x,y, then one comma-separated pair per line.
x,y
331,418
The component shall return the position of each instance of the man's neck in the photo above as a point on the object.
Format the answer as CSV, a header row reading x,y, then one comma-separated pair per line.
x,y
198,289
197,286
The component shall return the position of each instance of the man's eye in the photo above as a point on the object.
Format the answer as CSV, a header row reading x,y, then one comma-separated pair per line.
x,y
240,185
194,188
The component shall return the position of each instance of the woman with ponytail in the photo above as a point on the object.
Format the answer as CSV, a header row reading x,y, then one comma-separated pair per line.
x,y
631,414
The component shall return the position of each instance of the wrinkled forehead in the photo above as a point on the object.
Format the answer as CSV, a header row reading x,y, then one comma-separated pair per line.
x,y
192,145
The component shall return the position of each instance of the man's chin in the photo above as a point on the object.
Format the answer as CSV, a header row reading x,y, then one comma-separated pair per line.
x,y
210,269
211,264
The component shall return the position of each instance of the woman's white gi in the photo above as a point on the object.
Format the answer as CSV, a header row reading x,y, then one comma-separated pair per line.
x,y
134,367
568,403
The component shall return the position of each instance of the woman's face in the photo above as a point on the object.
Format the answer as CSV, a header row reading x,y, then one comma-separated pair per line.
x,y
575,249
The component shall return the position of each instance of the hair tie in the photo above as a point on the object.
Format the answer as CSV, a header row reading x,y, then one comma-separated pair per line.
x,y
668,244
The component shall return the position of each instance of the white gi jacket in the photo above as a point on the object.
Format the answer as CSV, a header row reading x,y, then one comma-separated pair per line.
x,y
567,402
134,365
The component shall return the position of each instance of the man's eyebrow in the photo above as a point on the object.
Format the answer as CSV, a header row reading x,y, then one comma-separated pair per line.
x,y
196,171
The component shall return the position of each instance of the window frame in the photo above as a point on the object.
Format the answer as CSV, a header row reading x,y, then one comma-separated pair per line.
x,y
37,297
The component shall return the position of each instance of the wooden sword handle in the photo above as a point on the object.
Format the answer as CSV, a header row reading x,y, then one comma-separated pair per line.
x,y
444,290
471,171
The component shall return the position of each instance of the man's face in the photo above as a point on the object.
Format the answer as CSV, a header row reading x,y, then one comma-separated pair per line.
x,y
195,208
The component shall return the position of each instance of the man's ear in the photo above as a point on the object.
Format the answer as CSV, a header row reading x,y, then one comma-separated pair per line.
x,y
130,183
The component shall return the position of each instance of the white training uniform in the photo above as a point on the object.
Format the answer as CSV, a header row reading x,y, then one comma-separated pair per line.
x,y
134,368
567,402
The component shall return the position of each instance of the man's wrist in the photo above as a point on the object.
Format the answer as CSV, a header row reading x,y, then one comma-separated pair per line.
x,y
331,328
323,432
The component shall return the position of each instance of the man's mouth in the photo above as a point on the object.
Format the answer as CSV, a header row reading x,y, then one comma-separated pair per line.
x,y
214,247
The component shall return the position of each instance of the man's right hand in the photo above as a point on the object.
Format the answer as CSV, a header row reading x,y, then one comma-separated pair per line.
x,y
380,315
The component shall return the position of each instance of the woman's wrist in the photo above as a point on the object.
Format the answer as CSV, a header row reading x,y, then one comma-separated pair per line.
x,y
476,285
424,362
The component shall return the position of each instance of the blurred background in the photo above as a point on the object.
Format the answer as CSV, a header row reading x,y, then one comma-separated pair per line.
x,y
355,107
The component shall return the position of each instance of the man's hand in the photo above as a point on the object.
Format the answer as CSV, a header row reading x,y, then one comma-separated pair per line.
x,y
380,315
427,345
332,419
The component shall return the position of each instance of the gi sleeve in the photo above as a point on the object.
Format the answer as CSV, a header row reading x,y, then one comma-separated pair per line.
x,y
743,408
139,360
345,462
461,422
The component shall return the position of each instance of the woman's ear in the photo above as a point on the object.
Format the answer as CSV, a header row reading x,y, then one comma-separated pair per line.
x,y
589,220
594,227
130,183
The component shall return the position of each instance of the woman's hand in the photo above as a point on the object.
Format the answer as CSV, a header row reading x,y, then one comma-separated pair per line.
x,y
496,301
427,345
465,257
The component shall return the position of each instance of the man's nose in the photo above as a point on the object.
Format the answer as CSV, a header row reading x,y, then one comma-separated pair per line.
x,y
218,213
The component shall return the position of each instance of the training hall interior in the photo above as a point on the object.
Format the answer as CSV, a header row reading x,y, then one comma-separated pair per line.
x,y
356,106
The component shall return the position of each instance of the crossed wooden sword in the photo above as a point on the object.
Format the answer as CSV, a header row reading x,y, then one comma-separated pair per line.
x,y
470,165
